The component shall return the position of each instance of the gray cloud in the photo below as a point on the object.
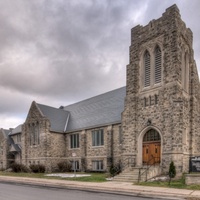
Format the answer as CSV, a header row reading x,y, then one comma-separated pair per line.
x,y
59,52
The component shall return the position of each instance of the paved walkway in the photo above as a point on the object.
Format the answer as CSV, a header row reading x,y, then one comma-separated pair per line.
x,y
110,186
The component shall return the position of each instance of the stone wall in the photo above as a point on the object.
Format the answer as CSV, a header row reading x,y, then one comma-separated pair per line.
x,y
55,147
4,148
171,107
109,152
175,114
191,179
39,152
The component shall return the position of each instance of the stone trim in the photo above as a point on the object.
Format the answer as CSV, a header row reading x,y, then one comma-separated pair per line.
x,y
140,144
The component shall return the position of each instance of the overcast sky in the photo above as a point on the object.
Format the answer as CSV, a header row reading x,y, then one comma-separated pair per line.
x,y
57,52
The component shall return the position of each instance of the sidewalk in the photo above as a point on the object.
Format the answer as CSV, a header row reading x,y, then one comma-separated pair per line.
x,y
108,187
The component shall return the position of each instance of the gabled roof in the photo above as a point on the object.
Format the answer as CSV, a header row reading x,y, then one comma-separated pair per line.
x,y
97,111
15,148
100,110
58,117
16,130
10,140
5,132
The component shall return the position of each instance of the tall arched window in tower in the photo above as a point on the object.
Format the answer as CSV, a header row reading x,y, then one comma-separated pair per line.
x,y
147,69
158,65
186,81
185,71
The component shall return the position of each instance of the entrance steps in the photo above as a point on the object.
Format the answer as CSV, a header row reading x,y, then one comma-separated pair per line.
x,y
128,176
132,174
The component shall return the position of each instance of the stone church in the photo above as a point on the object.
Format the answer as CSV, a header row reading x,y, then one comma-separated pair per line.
x,y
152,121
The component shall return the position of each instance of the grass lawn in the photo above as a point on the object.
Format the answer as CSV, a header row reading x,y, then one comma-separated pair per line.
x,y
95,177
178,183
101,177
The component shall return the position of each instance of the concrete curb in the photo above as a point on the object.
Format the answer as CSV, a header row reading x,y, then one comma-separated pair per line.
x,y
119,188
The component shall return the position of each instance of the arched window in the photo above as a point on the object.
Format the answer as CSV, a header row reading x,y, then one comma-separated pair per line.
x,y
156,99
34,133
158,64
147,69
185,71
150,100
151,135
145,102
186,81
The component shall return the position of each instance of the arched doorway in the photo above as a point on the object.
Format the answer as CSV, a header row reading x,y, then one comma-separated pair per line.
x,y
151,147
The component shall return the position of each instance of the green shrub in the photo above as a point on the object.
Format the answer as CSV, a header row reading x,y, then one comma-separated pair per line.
x,y
19,168
64,166
115,169
172,171
37,168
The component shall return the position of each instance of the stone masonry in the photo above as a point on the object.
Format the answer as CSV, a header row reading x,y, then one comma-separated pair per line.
x,y
176,114
162,99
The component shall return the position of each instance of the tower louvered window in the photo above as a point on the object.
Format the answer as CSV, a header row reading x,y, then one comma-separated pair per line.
x,y
147,69
157,65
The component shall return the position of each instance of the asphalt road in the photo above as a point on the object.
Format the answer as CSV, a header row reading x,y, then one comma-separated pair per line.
x,y
23,192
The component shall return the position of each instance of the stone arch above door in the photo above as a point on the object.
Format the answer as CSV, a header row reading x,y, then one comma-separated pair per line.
x,y
140,143
151,147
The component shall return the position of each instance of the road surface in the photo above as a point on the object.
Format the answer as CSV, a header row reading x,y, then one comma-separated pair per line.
x,y
23,192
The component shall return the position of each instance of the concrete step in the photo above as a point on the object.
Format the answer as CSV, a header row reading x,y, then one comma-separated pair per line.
x,y
128,177
131,175
126,180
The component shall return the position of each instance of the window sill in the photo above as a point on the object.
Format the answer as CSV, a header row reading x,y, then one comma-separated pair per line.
x,y
93,147
34,146
150,88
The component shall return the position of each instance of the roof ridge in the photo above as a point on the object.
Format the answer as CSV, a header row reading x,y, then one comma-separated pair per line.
x,y
51,107
93,97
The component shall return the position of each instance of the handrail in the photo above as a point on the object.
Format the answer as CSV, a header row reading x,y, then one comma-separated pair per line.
x,y
148,167
122,166
131,162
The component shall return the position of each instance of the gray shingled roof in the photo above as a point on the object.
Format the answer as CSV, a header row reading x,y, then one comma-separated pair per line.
x,y
5,132
15,147
16,130
97,111
100,110
58,117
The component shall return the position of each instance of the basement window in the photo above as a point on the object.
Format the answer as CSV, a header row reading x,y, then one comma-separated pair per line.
x,y
97,165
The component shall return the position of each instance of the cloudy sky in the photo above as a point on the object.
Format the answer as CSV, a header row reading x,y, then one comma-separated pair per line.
x,y
58,52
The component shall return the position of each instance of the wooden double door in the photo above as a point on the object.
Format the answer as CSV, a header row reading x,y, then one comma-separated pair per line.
x,y
151,153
